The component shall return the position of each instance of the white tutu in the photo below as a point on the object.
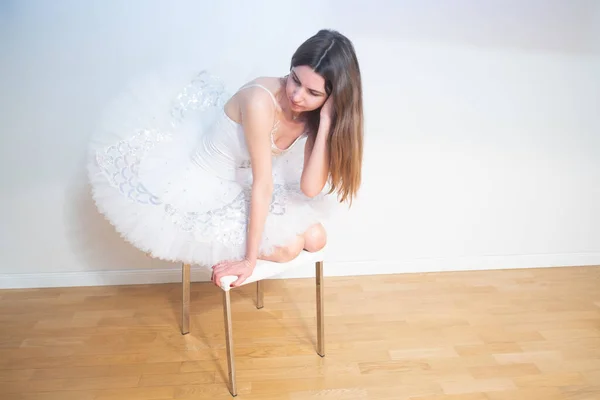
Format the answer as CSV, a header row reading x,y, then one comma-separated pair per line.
x,y
171,173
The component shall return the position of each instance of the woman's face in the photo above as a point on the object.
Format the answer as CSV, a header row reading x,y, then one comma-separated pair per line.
x,y
305,89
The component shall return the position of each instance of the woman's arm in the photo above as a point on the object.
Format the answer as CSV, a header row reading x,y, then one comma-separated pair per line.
x,y
257,113
316,156
257,119
316,162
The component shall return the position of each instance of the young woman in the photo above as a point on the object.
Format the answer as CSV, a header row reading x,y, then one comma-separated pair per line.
x,y
218,180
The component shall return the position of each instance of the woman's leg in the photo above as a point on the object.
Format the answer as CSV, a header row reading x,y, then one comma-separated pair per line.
x,y
314,239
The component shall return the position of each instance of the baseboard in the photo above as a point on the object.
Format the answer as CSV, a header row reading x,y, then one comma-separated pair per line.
x,y
335,268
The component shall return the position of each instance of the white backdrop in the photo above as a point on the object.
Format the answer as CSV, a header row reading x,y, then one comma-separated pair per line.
x,y
482,135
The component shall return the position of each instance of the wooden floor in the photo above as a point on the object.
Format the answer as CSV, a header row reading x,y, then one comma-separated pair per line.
x,y
488,335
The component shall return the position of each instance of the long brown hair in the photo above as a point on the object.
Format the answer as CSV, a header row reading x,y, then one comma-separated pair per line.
x,y
331,55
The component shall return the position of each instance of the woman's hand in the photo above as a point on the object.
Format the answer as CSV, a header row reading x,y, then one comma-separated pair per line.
x,y
242,269
327,110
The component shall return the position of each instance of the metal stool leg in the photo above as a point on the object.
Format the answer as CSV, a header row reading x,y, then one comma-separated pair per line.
x,y
320,315
229,342
259,295
185,289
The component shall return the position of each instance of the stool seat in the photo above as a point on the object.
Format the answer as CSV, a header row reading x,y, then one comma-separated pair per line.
x,y
268,269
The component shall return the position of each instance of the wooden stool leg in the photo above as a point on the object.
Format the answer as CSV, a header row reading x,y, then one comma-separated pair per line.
x,y
320,315
229,342
185,309
259,295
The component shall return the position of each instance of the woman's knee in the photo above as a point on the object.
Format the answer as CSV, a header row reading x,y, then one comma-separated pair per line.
x,y
315,238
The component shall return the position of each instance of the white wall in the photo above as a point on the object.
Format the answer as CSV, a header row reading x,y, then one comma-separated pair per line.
x,y
482,135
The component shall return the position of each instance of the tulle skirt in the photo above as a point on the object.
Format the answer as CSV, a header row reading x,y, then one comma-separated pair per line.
x,y
146,183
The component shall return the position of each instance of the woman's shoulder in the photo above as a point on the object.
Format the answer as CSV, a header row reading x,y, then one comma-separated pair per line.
x,y
257,95
261,85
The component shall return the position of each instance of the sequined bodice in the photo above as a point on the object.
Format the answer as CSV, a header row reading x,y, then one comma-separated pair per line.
x,y
223,150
